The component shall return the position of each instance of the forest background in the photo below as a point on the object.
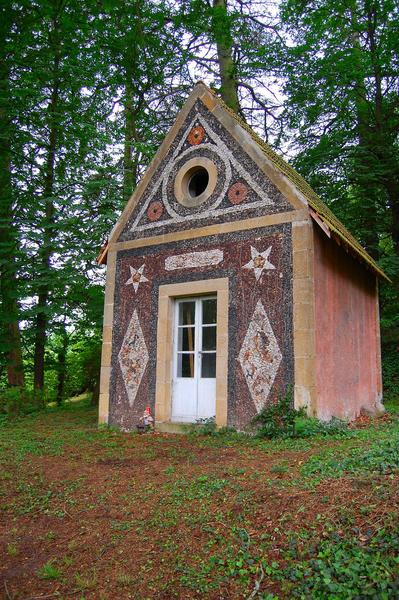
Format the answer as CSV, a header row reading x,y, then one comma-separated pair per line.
x,y
89,88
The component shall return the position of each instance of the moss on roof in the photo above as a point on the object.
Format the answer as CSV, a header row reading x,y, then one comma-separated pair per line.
x,y
312,198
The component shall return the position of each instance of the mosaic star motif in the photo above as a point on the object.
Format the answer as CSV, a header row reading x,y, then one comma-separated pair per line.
x,y
259,262
133,357
260,357
136,277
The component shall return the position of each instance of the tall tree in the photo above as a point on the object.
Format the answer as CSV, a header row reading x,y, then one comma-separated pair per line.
x,y
221,29
232,45
9,317
52,143
342,79
143,71
59,158
83,90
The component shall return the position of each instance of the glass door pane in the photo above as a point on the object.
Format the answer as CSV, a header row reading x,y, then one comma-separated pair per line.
x,y
185,365
187,313
208,365
186,339
209,311
186,336
208,338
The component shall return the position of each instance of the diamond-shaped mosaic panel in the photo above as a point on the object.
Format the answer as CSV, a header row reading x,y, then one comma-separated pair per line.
x,y
133,357
260,357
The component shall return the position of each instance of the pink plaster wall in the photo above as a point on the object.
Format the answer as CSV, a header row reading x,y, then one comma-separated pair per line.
x,y
348,366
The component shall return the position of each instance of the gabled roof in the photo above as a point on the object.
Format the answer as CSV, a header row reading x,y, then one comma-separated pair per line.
x,y
318,209
315,202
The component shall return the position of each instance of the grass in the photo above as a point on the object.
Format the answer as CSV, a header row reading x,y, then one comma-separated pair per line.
x,y
49,571
86,511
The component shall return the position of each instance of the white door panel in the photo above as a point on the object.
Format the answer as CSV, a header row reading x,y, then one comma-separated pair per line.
x,y
206,399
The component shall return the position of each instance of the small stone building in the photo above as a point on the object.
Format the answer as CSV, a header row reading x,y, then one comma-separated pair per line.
x,y
228,280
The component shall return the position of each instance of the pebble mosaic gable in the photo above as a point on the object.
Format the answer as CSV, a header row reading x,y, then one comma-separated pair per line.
x,y
241,190
260,362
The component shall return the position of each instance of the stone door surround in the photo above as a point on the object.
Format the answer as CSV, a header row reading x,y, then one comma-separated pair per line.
x,y
167,295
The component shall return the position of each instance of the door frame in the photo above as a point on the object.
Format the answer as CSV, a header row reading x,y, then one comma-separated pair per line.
x,y
198,352
165,338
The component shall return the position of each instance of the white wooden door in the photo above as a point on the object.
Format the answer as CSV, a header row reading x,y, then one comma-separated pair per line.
x,y
194,360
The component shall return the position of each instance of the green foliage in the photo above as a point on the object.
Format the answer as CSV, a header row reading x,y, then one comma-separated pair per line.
x,y
309,427
350,568
12,549
390,373
237,563
121,525
16,401
279,419
49,571
205,427
84,581
125,580
81,131
202,487
381,457
341,106
208,427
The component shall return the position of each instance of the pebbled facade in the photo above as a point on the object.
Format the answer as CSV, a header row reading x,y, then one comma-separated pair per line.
x,y
248,236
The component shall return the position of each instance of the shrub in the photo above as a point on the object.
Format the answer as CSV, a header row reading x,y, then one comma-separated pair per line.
x,y
390,372
208,427
311,426
205,426
279,419
15,401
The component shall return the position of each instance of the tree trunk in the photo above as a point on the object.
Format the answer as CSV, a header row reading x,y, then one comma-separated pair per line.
x,y
8,236
364,166
61,367
384,142
46,249
392,187
129,157
133,100
224,45
96,392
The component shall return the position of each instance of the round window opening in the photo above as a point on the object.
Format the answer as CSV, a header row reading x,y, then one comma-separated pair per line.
x,y
198,182
195,182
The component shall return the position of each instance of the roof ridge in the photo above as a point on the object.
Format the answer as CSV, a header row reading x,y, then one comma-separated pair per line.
x,y
314,201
